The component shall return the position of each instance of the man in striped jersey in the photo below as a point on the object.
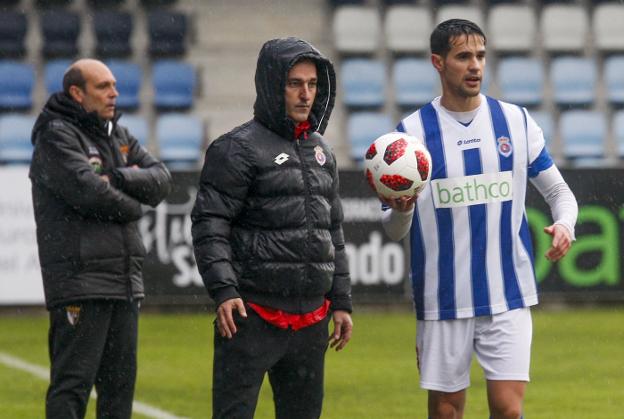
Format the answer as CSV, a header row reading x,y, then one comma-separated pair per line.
x,y
471,257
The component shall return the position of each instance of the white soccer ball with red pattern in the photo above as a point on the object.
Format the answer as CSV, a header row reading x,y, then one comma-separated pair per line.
x,y
397,164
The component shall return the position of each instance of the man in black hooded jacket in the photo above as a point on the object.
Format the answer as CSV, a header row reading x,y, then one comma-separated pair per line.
x,y
89,179
267,232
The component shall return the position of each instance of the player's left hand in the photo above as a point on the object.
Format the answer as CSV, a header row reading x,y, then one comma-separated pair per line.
x,y
343,325
561,242
402,204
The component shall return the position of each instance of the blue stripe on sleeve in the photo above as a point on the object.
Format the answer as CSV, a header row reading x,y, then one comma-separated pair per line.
x,y
512,289
444,217
541,163
478,240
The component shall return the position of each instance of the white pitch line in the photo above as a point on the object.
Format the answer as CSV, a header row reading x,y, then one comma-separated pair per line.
x,y
44,374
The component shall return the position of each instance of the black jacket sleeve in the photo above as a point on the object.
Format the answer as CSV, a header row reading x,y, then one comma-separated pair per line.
x,y
340,293
150,183
224,183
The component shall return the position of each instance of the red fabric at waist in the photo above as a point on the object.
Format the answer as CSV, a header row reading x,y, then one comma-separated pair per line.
x,y
283,320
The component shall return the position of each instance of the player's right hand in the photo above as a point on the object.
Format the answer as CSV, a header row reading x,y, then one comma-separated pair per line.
x,y
225,319
402,204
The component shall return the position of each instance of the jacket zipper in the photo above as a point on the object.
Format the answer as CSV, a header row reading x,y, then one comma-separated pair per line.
x,y
306,194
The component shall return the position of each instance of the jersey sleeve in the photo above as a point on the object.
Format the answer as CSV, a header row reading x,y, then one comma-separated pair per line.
x,y
539,158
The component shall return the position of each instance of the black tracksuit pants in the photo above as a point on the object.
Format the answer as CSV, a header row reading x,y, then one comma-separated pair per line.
x,y
97,347
293,360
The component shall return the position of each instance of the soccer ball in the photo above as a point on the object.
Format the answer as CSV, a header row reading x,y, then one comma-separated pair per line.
x,y
397,164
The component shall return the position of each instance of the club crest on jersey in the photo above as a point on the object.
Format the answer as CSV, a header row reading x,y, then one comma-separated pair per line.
x,y
320,156
504,146
73,314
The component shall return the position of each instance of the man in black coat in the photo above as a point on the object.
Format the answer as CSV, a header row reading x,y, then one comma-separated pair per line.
x,y
267,232
90,178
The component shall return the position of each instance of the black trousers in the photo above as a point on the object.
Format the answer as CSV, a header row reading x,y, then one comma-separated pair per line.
x,y
294,361
92,343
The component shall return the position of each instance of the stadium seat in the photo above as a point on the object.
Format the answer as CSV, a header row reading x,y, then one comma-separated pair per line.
x,y
521,80
53,72
129,78
112,33
60,30
137,126
607,27
512,28
618,131
363,82
459,11
573,81
564,28
16,85
614,79
415,82
583,134
407,29
13,27
363,128
104,4
15,145
180,140
546,122
52,4
357,30
174,85
157,3
167,33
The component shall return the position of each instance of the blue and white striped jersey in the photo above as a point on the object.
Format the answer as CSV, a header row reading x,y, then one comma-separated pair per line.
x,y
471,252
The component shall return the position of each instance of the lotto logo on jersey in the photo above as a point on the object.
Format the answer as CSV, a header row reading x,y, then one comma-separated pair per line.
x,y
472,190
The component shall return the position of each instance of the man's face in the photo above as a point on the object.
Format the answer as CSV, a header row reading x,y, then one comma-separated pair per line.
x,y
100,93
300,90
462,69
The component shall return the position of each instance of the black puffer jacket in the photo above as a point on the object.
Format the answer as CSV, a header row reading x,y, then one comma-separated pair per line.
x,y
89,243
267,219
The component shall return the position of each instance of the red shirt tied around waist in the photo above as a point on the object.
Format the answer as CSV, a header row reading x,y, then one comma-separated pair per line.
x,y
284,320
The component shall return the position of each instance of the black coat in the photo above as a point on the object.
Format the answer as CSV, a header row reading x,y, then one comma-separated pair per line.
x,y
267,221
89,243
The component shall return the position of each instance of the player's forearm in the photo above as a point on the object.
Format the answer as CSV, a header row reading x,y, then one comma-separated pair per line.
x,y
559,197
396,223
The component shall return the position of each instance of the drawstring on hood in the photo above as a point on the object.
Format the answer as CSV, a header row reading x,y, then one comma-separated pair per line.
x,y
276,58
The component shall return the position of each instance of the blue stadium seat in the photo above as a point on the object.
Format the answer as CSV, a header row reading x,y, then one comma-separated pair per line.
x,y
363,81
583,134
521,80
573,80
137,126
15,145
180,140
415,81
546,122
112,33
128,76
174,85
167,33
60,30
357,29
363,128
16,85
13,27
53,74
618,131
614,79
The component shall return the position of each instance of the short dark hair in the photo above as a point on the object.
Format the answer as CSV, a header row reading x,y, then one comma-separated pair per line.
x,y
73,77
440,41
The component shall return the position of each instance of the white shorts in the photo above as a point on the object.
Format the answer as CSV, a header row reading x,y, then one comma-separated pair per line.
x,y
501,342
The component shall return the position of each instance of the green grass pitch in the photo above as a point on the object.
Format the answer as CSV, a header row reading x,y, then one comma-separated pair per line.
x,y
577,367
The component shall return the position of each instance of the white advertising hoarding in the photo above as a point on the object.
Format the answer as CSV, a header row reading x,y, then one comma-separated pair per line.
x,y
20,274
